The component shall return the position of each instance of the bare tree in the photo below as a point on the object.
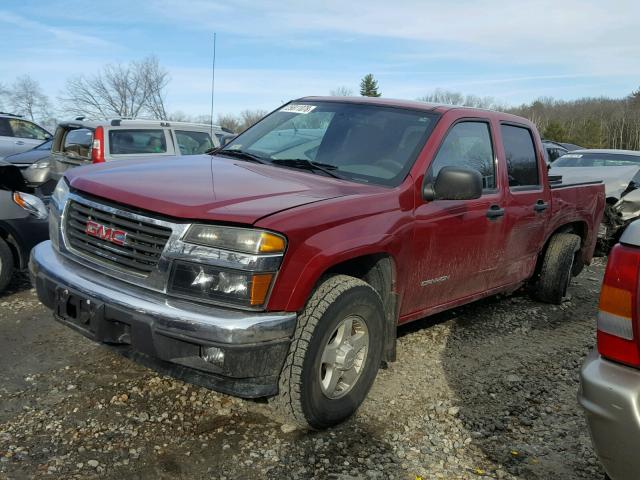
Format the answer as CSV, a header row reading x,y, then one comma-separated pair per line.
x,y
249,117
230,122
448,97
341,92
26,98
133,90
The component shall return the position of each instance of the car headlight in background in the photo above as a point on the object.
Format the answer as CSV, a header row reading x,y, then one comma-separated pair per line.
x,y
39,165
32,204
237,239
60,194
211,283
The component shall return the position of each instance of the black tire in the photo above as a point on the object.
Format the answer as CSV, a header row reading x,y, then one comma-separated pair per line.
x,y
557,268
6,264
300,397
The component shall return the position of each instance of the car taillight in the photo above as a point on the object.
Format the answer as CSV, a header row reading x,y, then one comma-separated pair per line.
x,y
618,311
97,149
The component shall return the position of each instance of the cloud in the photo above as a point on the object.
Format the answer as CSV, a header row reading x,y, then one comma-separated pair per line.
x,y
62,35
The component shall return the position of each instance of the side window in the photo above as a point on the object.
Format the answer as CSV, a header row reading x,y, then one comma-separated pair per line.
x,y
5,129
193,143
468,144
522,163
23,129
134,141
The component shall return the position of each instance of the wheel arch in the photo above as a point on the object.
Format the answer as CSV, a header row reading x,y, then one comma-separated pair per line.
x,y
379,270
579,228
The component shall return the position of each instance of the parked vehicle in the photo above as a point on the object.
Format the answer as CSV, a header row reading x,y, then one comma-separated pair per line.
x,y
281,265
25,159
620,172
19,135
610,376
23,222
553,150
82,142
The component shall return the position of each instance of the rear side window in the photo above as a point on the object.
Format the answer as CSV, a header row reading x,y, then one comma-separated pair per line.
x,y
522,163
468,144
77,143
134,141
5,130
24,129
193,143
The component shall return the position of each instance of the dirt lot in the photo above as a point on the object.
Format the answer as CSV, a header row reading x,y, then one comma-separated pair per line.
x,y
487,391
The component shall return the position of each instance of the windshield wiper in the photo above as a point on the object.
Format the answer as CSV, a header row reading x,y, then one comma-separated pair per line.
x,y
242,155
309,165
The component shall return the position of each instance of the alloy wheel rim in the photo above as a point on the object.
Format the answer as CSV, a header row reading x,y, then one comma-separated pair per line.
x,y
344,357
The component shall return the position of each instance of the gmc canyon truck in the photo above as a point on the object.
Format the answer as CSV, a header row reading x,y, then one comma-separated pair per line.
x,y
281,264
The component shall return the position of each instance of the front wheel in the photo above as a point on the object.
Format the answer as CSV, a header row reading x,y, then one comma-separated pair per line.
x,y
335,354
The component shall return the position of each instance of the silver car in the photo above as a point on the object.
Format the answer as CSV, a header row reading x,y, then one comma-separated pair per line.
x,y
18,134
82,142
610,376
620,172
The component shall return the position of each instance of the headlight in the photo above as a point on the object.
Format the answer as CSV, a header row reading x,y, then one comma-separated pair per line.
x,y
40,164
236,239
215,284
60,194
32,204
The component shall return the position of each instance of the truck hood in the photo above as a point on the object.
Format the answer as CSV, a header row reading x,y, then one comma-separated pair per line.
x,y
203,187
615,179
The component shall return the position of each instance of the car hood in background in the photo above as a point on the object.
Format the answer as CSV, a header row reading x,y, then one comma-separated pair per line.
x,y
28,157
208,188
616,179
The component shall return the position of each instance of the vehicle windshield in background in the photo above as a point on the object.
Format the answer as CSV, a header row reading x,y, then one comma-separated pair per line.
x,y
133,141
193,143
363,143
597,160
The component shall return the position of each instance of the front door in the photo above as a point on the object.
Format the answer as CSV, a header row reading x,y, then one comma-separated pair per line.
x,y
459,244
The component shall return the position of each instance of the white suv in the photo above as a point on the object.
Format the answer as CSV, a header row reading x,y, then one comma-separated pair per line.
x,y
81,142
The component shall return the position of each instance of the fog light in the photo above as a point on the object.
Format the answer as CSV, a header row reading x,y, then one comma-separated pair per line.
x,y
213,355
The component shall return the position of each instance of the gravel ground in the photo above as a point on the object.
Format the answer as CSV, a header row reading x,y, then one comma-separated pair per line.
x,y
485,391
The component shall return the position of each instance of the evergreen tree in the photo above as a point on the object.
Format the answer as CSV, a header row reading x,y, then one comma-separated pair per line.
x,y
369,86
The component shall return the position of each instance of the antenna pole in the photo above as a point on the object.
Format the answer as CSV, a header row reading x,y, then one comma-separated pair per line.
x,y
213,81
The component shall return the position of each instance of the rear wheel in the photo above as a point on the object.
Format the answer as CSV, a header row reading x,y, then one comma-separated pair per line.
x,y
558,266
6,264
335,354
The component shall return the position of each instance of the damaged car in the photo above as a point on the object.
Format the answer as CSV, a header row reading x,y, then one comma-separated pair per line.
x,y
619,170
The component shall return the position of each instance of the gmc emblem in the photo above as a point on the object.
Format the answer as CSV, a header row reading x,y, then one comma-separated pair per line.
x,y
103,232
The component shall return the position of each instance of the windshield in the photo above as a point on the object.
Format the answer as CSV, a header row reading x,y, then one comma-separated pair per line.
x,y
597,160
362,143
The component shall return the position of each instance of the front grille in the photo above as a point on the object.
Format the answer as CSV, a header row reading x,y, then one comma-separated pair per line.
x,y
142,248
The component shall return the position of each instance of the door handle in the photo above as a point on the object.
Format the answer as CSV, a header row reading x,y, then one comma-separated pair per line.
x,y
19,142
540,206
495,212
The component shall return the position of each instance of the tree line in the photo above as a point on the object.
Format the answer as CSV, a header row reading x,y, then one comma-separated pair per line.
x,y
138,90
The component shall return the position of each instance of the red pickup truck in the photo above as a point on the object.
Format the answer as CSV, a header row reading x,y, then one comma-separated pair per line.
x,y
281,264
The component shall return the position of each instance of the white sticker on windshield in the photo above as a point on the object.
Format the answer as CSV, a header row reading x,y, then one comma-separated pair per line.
x,y
298,108
572,155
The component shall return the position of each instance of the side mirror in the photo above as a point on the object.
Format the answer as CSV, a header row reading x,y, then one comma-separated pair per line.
x,y
454,183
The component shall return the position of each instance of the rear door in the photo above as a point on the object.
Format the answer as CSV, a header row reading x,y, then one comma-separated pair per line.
x,y
527,201
459,243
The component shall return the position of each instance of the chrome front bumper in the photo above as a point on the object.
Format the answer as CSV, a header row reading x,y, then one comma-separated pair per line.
x,y
167,334
610,396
